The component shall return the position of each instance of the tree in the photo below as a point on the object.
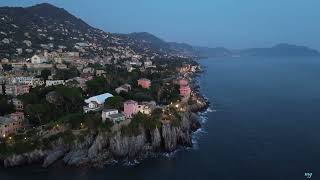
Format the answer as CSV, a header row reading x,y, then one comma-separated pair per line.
x,y
45,73
67,73
97,85
39,113
5,107
72,96
7,67
115,102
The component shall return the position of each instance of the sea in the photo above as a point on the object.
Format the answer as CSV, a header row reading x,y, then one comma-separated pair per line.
x,y
263,124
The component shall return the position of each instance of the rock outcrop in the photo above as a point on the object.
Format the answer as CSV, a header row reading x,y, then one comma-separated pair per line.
x,y
25,158
99,148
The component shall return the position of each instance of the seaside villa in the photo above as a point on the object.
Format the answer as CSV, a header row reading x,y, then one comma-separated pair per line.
x,y
96,103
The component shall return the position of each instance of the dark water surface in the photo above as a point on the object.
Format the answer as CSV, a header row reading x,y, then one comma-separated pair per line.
x,y
265,126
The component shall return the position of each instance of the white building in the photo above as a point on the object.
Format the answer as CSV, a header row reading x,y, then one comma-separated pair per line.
x,y
123,88
54,82
96,103
38,59
107,112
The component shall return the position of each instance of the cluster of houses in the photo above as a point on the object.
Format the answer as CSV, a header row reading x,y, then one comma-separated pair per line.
x,y
130,108
18,82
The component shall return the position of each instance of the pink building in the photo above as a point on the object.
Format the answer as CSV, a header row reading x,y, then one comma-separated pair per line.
x,y
11,124
185,91
130,108
144,83
15,90
183,82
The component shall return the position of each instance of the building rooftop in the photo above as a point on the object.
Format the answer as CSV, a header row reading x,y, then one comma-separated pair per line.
x,y
109,110
4,120
116,116
100,99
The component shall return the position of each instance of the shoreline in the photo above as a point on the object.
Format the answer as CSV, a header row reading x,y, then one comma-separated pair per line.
x,y
165,139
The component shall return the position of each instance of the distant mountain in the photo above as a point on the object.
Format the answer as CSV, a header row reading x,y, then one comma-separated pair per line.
x,y
212,52
26,31
280,50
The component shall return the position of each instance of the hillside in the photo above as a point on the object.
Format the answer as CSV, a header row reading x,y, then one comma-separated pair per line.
x,y
25,31
280,50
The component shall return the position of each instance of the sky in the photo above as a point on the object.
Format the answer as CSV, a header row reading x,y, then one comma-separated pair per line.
x,y
233,24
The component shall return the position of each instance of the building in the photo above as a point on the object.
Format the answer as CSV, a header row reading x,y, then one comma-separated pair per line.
x,y
130,108
147,107
61,66
96,103
144,83
11,123
16,89
54,82
88,70
185,91
100,72
123,88
18,104
38,59
183,82
107,112
148,63
144,109
117,117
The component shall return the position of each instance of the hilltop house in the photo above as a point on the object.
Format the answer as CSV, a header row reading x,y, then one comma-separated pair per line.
x,y
130,108
117,117
16,89
54,82
113,115
100,72
185,91
144,83
38,59
107,112
96,103
18,104
11,123
123,88
183,82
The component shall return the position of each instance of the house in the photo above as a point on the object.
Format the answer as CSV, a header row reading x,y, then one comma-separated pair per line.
x,y
144,83
144,109
107,112
4,61
117,117
100,72
147,107
183,82
11,123
54,82
38,59
96,103
18,104
185,91
61,66
147,63
88,70
130,108
123,88
16,89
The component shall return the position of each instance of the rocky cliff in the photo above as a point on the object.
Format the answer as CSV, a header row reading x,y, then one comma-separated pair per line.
x,y
100,148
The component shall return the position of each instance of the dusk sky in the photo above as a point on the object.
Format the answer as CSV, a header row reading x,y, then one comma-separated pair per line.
x,y
228,23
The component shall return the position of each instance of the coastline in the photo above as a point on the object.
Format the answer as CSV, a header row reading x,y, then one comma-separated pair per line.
x,y
100,149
